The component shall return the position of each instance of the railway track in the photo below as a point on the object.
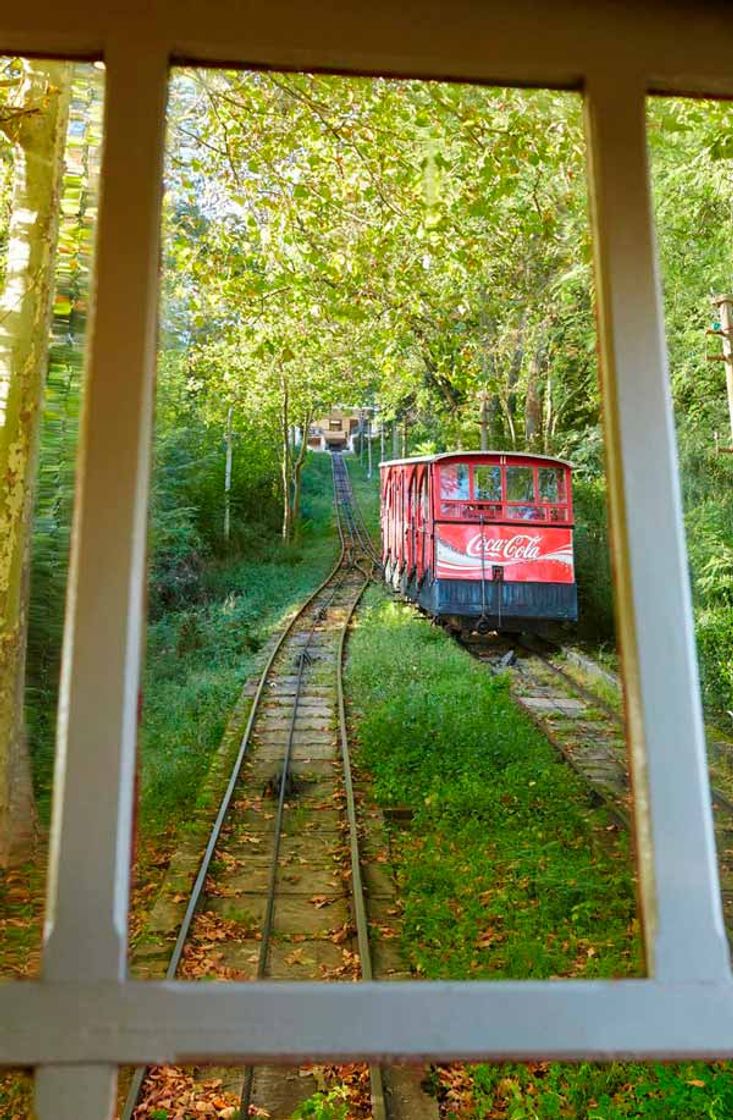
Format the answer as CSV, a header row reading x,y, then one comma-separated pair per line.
x,y
587,729
279,892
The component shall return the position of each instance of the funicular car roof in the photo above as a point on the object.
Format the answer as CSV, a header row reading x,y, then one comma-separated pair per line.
x,y
460,455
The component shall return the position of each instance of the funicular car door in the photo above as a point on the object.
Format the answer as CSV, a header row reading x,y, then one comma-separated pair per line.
x,y
393,516
420,517
399,518
410,522
386,515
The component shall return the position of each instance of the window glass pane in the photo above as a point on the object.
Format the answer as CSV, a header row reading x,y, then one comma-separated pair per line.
x,y
519,484
454,482
692,181
268,173
50,144
551,485
487,483
524,513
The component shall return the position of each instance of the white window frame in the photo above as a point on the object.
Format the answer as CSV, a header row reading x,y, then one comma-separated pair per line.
x,y
84,1018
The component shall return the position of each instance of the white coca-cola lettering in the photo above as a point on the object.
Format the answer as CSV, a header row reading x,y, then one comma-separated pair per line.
x,y
521,546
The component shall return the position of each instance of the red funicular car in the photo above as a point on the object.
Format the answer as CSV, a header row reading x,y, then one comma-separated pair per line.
x,y
481,539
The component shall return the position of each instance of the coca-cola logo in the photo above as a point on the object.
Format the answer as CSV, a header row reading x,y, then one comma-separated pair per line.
x,y
522,546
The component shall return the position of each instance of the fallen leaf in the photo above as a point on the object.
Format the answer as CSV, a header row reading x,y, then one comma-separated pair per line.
x,y
320,900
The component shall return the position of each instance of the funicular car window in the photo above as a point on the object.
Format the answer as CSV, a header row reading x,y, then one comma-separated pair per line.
x,y
520,489
551,485
519,484
487,484
454,482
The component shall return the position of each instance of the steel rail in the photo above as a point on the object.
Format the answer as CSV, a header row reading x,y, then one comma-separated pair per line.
x,y
363,533
349,535
609,800
719,798
264,954
376,1078
133,1094
577,686
594,700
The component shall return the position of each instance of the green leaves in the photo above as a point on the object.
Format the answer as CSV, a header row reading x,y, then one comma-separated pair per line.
x,y
385,204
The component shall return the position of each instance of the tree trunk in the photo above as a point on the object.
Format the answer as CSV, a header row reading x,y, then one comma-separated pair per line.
x,y
549,415
484,421
509,401
287,529
297,488
36,125
228,477
533,403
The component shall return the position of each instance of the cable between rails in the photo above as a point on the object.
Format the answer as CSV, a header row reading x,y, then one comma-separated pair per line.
x,y
262,961
376,1077
343,499
133,1094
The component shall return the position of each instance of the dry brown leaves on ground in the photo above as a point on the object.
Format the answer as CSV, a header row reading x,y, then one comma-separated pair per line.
x,y
176,1094
349,969
22,893
16,1095
455,1090
353,1079
149,869
202,956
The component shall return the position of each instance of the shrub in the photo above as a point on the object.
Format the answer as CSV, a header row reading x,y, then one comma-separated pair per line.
x,y
715,653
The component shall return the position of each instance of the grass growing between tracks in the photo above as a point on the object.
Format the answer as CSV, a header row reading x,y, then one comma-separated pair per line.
x,y
506,871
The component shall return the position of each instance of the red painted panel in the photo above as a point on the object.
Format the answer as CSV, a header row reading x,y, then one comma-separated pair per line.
x,y
534,553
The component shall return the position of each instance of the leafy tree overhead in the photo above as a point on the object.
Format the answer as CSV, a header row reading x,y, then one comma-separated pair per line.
x,y
435,234
33,119
420,247
426,247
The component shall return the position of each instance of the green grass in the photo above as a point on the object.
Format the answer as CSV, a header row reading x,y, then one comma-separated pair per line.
x,y
592,1092
366,493
507,871
199,658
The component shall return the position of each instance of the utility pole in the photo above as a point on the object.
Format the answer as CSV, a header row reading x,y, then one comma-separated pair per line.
x,y
724,305
369,447
361,435
395,439
228,476
381,439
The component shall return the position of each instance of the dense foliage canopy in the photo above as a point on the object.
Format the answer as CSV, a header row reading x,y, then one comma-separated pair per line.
x,y
425,248
420,248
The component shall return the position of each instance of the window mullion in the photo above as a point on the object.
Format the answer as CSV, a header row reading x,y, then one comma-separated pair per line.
x,y
76,1092
679,884
86,927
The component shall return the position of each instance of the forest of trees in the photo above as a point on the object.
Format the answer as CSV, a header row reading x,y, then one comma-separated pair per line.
x,y
425,248
422,249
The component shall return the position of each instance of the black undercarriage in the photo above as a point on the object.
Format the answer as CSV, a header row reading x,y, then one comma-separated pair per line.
x,y
490,604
